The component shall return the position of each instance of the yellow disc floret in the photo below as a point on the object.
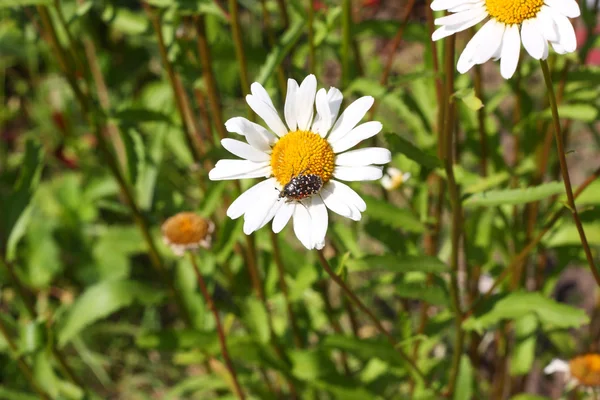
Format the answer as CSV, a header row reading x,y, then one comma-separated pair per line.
x,y
302,152
512,12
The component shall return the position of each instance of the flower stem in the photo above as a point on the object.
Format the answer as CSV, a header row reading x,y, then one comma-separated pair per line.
x,y
21,363
368,312
236,31
311,37
564,170
346,41
222,342
284,289
453,191
481,122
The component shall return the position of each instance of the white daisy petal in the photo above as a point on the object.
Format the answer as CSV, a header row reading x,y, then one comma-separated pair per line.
x,y
466,59
244,150
319,221
349,195
491,41
558,48
238,169
366,173
461,17
466,6
335,202
448,30
256,135
290,105
272,212
305,100
568,8
532,40
302,225
248,198
566,33
357,135
387,182
267,113
439,5
557,365
257,90
511,48
262,209
334,97
323,120
546,25
366,156
282,216
350,117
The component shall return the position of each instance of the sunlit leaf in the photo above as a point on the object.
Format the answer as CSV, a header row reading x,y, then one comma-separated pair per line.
x,y
514,196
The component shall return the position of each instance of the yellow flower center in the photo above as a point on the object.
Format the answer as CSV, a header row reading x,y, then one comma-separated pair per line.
x,y
302,152
185,228
586,369
512,12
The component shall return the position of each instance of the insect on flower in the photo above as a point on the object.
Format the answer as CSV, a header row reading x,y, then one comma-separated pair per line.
x,y
301,186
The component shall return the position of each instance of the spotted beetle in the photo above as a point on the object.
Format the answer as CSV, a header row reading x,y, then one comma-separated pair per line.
x,y
301,186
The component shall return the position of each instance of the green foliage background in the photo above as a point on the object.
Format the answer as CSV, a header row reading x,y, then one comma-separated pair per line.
x,y
90,308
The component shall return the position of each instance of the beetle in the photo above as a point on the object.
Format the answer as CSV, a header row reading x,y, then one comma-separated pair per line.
x,y
301,186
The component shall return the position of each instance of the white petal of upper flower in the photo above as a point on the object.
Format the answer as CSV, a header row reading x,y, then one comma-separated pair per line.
x,y
239,169
557,365
568,8
272,212
334,97
490,42
448,30
346,194
439,5
350,117
509,55
249,197
255,134
262,105
305,101
461,17
356,135
532,39
261,210
466,59
283,215
290,105
319,221
566,33
366,156
546,25
323,120
466,6
366,173
334,201
244,150
302,225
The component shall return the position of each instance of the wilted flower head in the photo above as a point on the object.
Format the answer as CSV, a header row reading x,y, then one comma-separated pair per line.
x,y
582,370
394,178
535,23
187,231
303,160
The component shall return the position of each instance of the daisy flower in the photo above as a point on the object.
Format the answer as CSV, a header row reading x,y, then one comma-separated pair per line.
x,y
187,231
303,160
510,22
583,370
394,178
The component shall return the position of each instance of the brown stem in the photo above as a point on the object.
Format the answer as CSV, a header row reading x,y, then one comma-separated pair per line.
x,y
481,123
222,342
348,292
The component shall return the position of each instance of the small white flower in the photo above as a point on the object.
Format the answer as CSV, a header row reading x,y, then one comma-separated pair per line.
x,y
486,282
310,151
394,178
535,23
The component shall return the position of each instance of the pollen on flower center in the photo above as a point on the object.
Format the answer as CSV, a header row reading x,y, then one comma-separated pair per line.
x,y
586,369
512,12
302,152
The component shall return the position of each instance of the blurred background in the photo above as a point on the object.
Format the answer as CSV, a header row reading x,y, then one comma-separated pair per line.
x,y
111,112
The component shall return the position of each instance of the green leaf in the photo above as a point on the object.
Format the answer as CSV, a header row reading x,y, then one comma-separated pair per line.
x,y
465,381
23,3
365,349
514,196
550,313
257,319
101,300
9,394
173,340
567,235
16,210
32,336
394,263
397,144
579,112
526,396
523,355
281,49
432,294
468,97
393,216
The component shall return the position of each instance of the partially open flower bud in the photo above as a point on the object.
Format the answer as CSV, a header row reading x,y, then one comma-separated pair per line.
x,y
187,231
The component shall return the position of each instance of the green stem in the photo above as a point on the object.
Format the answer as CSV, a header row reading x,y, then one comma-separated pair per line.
x,y
240,55
481,122
221,333
564,170
21,363
453,192
348,292
346,41
311,37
